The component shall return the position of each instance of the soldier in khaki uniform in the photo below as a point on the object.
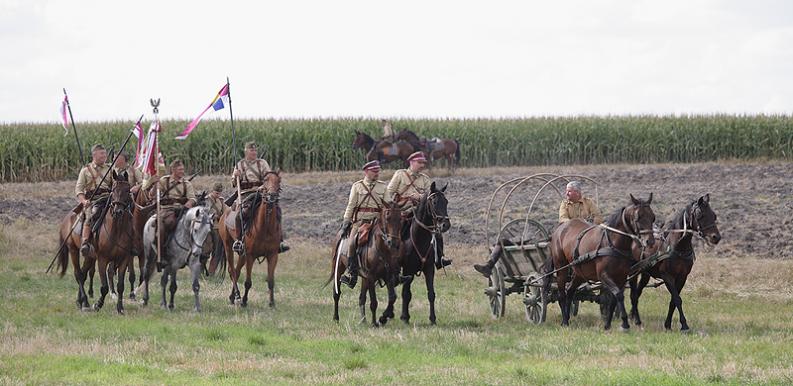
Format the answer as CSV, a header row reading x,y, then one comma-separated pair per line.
x,y
176,194
578,206
573,206
251,171
408,186
367,198
135,177
388,131
87,182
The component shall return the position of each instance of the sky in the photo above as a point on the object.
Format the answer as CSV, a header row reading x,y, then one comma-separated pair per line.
x,y
289,59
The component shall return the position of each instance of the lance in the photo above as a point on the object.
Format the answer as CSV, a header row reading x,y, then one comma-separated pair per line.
x,y
233,131
74,128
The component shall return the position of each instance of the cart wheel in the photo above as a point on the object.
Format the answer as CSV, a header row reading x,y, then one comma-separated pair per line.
x,y
536,306
496,293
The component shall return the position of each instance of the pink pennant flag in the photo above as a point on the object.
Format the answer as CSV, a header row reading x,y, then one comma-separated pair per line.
x,y
219,102
138,131
64,115
151,151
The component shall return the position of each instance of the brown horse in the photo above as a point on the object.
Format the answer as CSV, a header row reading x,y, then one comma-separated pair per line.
x,y
383,151
141,212
69,238
605,254
418,251
672,259
362,141
436,148
262,238
379,261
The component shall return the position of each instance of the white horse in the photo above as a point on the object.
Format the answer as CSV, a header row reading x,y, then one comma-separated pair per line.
x,y
184,248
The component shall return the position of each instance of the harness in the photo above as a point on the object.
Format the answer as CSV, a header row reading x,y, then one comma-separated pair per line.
x,y
246,184
408,186
366,197
433,228
169,187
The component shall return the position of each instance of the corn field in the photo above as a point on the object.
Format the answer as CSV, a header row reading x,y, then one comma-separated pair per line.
x,y
38,152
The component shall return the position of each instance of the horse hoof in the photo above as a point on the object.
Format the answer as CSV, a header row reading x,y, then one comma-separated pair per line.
x,y
170,307
244,304
97,307
132,296
383,320
271,304
375,324
120,312
197,310
685,330
625,329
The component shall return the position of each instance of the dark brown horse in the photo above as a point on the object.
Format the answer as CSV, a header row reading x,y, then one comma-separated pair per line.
x,y
672,259
418,251
379,262
600,253
436,148
362,141
262,238
383,151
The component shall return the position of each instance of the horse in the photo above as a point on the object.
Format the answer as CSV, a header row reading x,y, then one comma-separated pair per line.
x,y
607,255
262,238
430,219
362,141
114,240
672,260
436,148
379,261
184,248
140,214
69,239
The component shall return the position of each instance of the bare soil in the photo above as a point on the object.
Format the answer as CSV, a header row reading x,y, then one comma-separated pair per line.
x,y
754,201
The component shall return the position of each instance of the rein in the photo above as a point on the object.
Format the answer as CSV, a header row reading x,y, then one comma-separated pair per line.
x,y
433,228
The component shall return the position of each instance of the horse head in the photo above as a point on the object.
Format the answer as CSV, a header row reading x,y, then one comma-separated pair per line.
x,y
391,220
703,220
271,186
199,220
362,140
120,195
638,219
435,203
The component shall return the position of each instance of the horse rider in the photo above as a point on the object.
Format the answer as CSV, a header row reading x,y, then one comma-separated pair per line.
x,y
89,197
388,130
574,205
367,199
407,186
176,195
135,177
216,207
250,170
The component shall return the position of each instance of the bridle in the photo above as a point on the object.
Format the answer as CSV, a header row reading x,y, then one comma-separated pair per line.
x,y
631,226
695,213
203,219
433,228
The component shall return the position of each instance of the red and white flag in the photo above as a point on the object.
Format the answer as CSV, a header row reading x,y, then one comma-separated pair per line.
x,y
151,151
64,114
138,131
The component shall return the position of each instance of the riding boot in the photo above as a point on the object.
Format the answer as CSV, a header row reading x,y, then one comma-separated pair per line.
x,y
168,225
351,276
440,262
487,268
85,246
239,243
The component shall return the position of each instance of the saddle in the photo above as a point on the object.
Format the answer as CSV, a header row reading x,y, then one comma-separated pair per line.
x,y
434,144
363,233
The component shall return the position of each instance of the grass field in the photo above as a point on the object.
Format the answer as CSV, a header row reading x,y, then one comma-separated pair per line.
x,y
739,310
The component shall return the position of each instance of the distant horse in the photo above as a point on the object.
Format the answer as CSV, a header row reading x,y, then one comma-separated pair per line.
x,y
262,238
383,151
435,148
379,261
418,251
184,248
605,254
362,141
672,259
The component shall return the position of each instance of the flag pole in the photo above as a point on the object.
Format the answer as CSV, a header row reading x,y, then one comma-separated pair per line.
x,y
74,128
233,131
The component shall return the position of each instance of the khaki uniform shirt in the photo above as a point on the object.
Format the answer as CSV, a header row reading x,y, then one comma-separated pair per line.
x,y
176,190
584,209
147,179
387,130
135,175
251,171
406,183
365,193
89,178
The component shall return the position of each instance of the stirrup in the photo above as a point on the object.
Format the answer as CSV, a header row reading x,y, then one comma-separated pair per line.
x,y
350,280
238,246
442,263
283,247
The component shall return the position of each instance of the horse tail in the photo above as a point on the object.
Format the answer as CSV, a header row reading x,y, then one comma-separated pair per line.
x,y
63,255
457,152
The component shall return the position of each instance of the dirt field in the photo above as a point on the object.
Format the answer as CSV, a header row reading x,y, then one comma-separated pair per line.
x,y
754,201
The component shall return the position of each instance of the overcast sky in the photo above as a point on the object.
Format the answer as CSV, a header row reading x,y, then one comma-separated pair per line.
x,y
395,59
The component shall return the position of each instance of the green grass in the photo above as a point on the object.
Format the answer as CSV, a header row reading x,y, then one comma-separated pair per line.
x,y
45,339
35,152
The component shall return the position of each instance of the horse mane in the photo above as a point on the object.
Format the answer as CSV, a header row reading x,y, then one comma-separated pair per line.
x,y
615,218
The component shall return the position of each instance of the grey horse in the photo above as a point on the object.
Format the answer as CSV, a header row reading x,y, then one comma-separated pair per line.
x,y
184,248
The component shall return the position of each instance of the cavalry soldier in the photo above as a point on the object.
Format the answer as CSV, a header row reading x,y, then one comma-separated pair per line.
x,y
89,197
408,186
135,177
575,205
176,194
367,198
251,171
388,131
